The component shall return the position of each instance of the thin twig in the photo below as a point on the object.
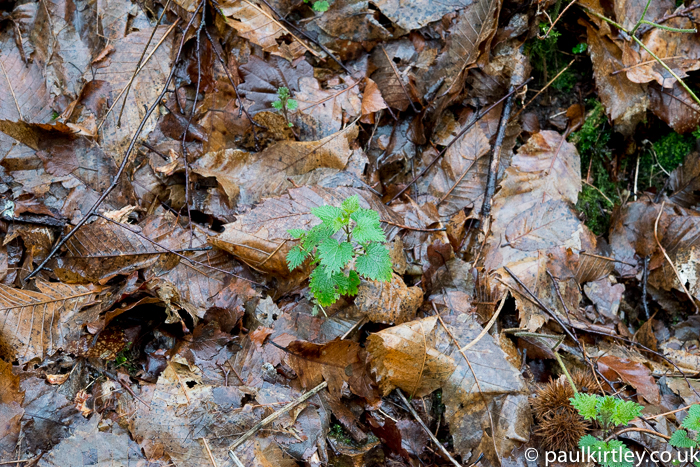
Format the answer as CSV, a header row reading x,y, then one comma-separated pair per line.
x,y
598,190
418,229
425,428
241,107
645,278
549,83
671,412
274,417
556,20
456,138
398,77
495,163
476,380
166,249
122,167
663,250
21,118
138,64
137,71
641,430
211,457
486,328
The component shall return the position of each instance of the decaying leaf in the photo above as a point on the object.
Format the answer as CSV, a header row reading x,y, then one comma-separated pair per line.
x,y
419,357
390,303
541,185
37,324
247,178
631,372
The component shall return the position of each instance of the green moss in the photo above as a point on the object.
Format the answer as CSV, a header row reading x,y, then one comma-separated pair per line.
x,y
667,152
546,56
338,433
592,140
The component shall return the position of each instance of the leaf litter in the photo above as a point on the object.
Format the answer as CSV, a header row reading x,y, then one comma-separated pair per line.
x,y
541,218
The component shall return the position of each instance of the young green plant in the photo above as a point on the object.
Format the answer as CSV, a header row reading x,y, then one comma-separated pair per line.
x,y
320,6
609,412
285,104
346,245
681,438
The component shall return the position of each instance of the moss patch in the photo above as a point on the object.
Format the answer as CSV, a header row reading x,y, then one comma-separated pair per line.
x,y
592,144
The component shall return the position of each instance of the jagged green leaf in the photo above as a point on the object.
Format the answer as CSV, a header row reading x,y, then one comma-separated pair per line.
x,y
585,404
375,264
680,439
296,257
334,256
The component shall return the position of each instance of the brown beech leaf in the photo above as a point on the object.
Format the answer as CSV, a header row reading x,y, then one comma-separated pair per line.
x,y
148,83
23,93
679,51
461,180
102,250
256,23
263,78
11,409
605,296
372,100
95,444
415,14
247,178
323,112
259,238
685,182
625,102
541,184
675,107
339,362
547,225
419,357
633,373
389,303
181,404
628,12
38,324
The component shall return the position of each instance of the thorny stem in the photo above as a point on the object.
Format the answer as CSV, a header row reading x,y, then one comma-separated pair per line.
x,y
122,167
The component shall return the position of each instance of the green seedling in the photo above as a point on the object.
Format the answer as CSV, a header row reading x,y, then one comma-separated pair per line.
x,y
609,412
285,104
320,6
338,264
682,439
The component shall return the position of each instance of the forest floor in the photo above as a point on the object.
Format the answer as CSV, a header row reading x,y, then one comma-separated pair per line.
x,y
349,233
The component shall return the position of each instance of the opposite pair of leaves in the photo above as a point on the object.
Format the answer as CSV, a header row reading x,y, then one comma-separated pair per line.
x,y
613,453
606,409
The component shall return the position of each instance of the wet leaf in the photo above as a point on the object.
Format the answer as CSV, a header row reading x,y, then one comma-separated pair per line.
x,y
37,324
633,373
388,302
419,357
247,178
